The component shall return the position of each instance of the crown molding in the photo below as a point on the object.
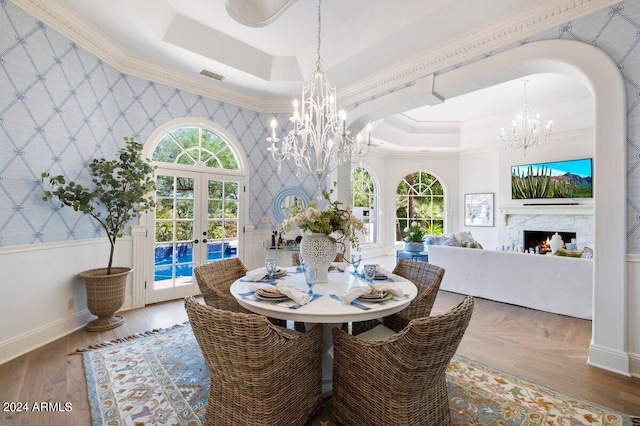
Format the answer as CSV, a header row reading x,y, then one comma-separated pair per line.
x,y
66,21
581,135
512,28
518,26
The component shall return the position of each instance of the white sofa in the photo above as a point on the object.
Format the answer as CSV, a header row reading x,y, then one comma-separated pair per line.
x,y
561,285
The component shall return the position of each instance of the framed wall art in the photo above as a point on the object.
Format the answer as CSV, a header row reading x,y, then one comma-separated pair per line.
x,y
478,209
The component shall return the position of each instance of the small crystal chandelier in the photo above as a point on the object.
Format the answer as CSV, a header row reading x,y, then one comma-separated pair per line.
x,y
319,141
525,132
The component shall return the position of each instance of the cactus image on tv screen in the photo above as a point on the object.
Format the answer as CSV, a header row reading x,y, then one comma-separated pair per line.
x,y
557,179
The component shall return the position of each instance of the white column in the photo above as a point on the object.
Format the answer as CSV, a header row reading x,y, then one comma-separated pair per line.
x,y
139,236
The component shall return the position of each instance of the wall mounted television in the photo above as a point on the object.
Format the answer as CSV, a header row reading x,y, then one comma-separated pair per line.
x,y
554,179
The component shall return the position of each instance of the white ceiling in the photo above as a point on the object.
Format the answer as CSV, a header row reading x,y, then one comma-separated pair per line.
x,y
272,50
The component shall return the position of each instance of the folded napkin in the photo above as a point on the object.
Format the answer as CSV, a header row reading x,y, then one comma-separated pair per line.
x,y
257,274
354,292
300,297
340,266
389,288
268,288
380,272
363,290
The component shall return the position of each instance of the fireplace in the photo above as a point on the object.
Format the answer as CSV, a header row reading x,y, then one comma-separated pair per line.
x,y
533,239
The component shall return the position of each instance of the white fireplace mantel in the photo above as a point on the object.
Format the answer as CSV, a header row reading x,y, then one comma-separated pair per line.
x,y
579,209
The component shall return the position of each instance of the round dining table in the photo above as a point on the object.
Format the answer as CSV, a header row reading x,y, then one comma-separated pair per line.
x,y
325,307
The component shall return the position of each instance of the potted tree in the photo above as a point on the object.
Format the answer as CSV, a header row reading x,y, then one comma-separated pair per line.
x,y
119,192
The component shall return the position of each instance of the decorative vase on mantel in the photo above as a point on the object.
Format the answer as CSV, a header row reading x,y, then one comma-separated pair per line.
x,y
556,243
414,247
318,251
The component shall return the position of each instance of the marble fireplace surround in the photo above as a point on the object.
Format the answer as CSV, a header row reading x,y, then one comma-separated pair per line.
x,y
578,219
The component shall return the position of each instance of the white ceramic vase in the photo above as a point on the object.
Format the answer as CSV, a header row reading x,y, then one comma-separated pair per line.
x,y
556,243
318,251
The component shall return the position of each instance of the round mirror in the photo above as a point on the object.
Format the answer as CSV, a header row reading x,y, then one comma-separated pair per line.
x,y
285,199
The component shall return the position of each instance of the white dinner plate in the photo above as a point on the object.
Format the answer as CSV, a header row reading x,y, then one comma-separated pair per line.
x,y
280,272
263,295
376,298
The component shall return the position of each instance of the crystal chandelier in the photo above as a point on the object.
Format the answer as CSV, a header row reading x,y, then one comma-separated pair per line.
x,y
318,141
525,132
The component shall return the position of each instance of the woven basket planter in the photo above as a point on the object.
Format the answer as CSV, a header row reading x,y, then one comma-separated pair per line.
x,y
105,295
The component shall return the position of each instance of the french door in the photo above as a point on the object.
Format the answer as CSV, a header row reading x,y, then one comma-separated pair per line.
x,y
196,221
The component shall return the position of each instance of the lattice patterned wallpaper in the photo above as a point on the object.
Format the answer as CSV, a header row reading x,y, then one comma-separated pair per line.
x,y
61,107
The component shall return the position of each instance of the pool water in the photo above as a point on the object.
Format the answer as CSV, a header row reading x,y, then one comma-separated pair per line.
x,y
166,267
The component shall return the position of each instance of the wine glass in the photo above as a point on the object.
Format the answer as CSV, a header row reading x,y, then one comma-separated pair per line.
x,y
300,267
311,275
355,261
270,264
369,273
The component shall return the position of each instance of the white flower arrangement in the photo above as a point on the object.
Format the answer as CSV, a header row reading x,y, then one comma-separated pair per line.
x,y
337,222
414,233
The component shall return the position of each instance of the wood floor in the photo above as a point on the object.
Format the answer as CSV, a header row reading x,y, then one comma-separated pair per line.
x,y
546,348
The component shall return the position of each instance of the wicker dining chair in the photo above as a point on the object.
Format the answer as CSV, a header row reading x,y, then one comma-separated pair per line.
x,y
427,279
295,258
400,380
261,374
214,280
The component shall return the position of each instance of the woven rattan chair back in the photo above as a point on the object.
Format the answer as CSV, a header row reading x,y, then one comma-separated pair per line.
x,y
214,280
427,279
260,375
401,380
295,258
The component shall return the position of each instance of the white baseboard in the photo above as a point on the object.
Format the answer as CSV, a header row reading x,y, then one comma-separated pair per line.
x,y
607,359
20,345
33,339
634,365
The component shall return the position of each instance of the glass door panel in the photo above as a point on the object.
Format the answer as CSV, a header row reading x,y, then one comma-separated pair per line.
x,y
174,226
222,219
196,221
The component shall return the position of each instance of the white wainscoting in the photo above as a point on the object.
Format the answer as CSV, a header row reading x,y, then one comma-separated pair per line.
x,y
39,280
633,313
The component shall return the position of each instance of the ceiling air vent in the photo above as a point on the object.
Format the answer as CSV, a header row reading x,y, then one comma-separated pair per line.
x,y
212,75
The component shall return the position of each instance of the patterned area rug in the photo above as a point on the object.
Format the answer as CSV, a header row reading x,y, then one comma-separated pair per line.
x,y
160,378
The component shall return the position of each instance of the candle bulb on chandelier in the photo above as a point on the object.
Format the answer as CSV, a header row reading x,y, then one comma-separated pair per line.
x,y
343,119
296,114
274,124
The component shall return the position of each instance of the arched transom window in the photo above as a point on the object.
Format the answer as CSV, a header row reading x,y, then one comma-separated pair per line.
x,y
420,198
196,146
